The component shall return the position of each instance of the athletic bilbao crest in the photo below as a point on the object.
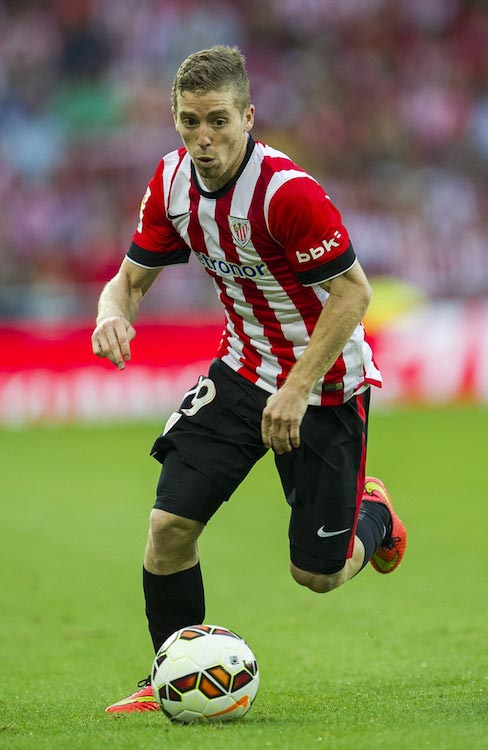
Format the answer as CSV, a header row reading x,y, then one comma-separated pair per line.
x,y
240,230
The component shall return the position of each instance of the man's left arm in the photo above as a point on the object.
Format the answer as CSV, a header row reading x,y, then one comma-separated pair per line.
x,y
349,296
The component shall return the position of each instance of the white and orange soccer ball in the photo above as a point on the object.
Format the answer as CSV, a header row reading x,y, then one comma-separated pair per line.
x,y
205,673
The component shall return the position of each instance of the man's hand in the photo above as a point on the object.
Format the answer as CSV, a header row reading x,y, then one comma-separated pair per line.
x,y
282,417
349,295
111,339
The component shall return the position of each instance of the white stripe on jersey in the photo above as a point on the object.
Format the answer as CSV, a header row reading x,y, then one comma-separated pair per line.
x,y
169,166
357,344
177,195
206,216
235,346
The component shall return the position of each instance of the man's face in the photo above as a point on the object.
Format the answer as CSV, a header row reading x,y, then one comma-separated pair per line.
x,y
214,131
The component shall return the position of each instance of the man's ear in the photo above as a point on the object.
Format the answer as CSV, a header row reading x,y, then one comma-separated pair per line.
x,y
249,118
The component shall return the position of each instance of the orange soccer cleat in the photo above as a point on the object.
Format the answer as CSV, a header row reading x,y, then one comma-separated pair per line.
x,y
141,700
389,556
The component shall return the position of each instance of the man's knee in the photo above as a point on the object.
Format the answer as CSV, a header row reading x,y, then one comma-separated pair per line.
x,y
320,583
163,523
171,540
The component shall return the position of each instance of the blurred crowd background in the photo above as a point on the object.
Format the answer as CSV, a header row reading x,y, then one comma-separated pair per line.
x,y
385,101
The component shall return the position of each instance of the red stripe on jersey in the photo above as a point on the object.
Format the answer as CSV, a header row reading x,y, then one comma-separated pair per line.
x,y
279,347
278,163
334,375
249,354
306,303
154,232
223,346
361,409
195,231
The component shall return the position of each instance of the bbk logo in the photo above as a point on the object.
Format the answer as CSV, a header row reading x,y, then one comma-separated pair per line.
x,y
317,252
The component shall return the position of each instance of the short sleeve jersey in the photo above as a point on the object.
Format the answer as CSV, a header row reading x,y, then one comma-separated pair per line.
x,y
268,239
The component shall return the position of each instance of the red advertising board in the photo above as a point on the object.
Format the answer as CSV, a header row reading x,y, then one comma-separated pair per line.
x,y
438,353
48,372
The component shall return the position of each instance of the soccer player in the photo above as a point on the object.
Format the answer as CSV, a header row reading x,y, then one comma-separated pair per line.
x,y
293,370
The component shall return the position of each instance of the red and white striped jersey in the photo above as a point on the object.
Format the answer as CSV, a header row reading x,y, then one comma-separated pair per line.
x,y
268,238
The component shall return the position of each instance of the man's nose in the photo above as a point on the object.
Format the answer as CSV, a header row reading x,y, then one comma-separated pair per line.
x,y
203,136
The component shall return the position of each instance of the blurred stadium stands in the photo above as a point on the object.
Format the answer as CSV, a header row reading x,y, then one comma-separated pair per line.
x,y
385,101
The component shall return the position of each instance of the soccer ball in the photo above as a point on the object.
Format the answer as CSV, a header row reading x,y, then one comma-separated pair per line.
x,y
205,672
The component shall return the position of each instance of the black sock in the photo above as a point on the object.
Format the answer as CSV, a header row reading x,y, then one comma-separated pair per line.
x,y
374,526
173,601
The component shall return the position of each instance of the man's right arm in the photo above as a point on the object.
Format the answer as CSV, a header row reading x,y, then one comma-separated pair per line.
x,y
118,308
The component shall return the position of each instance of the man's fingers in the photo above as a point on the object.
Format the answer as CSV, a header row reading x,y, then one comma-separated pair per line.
x,y
111,339
295,437
125,333
279,434
281,445
265,430
118,345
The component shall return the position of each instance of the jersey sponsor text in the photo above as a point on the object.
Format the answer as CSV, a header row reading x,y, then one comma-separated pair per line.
x,y
226,268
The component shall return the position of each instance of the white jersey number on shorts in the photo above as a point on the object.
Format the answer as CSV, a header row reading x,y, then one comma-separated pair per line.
x,y
203,393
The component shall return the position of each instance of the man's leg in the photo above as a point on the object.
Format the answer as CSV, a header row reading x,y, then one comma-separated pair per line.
x,y
381,539
340,520
173,591
172,579
206,451
321,583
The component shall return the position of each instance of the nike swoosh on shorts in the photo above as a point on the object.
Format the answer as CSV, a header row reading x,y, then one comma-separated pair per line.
x,y
325,534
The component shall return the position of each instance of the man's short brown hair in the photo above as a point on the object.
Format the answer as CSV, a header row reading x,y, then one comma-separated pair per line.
x,y
213,69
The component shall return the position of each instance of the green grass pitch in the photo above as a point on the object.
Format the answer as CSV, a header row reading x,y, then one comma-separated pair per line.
x,y
397,661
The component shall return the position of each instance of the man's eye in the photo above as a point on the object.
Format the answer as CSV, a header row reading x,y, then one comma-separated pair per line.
x,y
188,123
220,122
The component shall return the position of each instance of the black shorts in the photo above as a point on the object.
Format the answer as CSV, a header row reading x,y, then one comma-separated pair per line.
x,y
211,443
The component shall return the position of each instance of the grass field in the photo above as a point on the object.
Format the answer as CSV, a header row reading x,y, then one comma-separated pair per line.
x,y
386,661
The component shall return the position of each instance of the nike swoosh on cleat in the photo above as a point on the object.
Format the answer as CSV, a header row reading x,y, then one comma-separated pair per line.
x,y
371,486
326,534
